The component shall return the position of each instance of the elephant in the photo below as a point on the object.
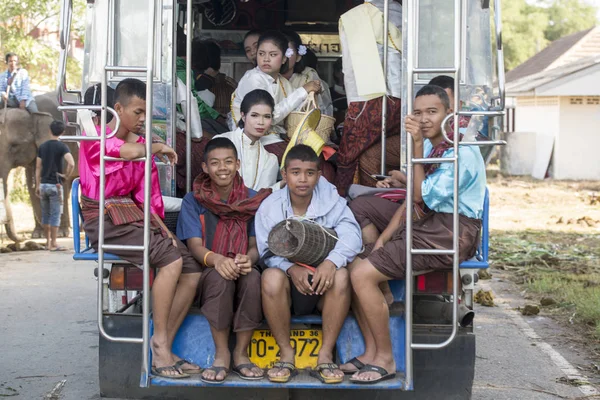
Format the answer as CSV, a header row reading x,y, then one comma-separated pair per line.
x,y
21,134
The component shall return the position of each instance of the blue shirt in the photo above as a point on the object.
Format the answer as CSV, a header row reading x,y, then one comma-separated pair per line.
x,y
438,188
19,88
190,226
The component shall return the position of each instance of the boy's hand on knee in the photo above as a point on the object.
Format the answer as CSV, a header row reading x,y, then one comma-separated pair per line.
x,y
324,276
299,277
227,268
244,263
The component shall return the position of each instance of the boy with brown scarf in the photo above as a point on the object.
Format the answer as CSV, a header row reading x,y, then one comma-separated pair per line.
x,y
217,222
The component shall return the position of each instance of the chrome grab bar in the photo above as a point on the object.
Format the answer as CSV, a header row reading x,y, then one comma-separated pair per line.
x,y
188,97
475,143
500,53
93,108
66,18
386,21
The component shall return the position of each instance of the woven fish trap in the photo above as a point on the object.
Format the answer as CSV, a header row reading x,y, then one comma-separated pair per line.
x,y
302,241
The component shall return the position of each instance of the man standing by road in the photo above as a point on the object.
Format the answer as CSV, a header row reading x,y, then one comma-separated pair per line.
x,y
14,86
48,178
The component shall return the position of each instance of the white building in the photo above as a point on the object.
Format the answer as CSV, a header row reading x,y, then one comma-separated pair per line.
x,y
556,120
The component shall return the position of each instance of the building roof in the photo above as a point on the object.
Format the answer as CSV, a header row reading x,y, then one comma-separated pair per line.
x,y
531,84
560,52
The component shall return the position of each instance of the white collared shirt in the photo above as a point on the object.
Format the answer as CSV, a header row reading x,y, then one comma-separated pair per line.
x,y
286,98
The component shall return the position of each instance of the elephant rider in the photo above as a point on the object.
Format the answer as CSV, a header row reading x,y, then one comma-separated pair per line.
x,y
14,86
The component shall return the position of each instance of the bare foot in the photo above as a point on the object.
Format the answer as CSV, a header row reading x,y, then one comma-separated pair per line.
x,y
388,364
222,359
163,358
328,359
287,355
241,358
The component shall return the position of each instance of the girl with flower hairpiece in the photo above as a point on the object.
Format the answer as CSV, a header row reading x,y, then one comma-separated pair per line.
x,y
271,61
300,71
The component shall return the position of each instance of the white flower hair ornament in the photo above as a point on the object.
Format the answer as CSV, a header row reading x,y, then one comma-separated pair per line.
x,y
302,50
289,53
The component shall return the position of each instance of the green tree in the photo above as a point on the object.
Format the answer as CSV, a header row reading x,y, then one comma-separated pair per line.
x,y
19,19
530,26
523,31
567,17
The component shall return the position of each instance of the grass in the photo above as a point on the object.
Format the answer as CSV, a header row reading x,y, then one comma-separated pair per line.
x,y
564,266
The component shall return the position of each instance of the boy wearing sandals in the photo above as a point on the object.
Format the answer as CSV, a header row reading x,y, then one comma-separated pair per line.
x,y
385,255
289,287
216,221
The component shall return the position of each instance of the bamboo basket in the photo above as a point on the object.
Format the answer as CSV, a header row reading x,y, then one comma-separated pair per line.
x,y
302,241
325,127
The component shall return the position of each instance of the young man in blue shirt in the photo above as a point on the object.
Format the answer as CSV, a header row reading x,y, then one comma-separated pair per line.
x,y
287,286
385,230
216,222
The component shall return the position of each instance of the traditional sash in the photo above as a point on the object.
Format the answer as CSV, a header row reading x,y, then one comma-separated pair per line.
x,y
365,31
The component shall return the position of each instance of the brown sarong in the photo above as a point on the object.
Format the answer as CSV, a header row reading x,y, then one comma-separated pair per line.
x,y
162,251
369,162
434,231
235,304
362,128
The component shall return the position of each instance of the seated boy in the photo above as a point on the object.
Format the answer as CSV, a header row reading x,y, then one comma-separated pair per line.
x,y
178,274
217,223
286,285
385,256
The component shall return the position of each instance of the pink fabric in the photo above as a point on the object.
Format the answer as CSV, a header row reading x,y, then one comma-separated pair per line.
x,y
123,178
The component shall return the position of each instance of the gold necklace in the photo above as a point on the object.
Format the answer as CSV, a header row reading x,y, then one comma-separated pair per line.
x,y
257,160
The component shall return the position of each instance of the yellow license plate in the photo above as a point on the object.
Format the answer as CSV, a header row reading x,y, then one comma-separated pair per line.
x,y
264,352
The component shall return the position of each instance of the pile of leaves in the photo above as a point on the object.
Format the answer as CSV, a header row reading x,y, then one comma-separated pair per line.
x,y
563,265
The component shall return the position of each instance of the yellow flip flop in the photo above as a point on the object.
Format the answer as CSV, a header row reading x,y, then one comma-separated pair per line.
x,y
330,380
283,379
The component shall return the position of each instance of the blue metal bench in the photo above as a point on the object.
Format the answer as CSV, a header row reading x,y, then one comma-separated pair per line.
x,y
88,253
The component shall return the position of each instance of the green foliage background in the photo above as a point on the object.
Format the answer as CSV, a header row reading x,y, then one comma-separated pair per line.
x,y
19,18
529,26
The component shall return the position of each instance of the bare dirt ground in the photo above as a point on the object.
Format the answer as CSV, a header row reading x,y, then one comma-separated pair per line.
x,y
545,238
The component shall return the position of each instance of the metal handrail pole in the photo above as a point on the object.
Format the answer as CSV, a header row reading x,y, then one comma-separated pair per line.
x,y
459,6
147,193
432,160
484,113
432,252
500,53
384,100
450,70
485,143
122,247
188,97
101,201
123,68
95,108
409,10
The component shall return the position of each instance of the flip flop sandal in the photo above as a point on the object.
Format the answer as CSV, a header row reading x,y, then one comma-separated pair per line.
x,y
283,379
318,373
357,363
59,248
216,370
238,371
373,368
192,371
160,371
